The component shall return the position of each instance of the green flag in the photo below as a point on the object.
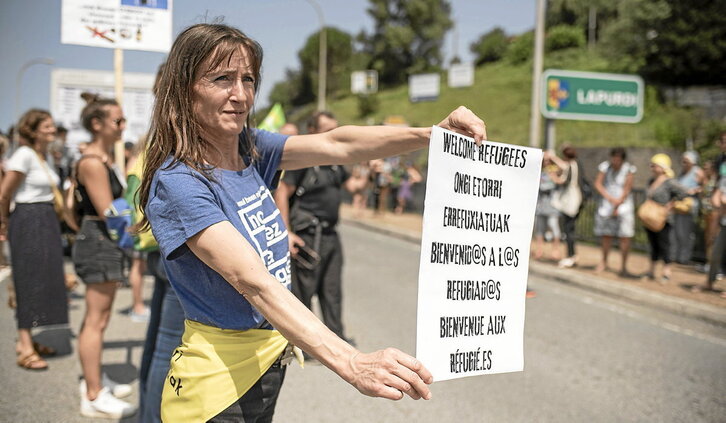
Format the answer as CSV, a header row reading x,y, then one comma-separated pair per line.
x,y
274,119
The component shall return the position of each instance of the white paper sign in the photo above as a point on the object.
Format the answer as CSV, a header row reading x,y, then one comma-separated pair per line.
x,y
424,87
477,226
125,24
364,82
66,86
461,75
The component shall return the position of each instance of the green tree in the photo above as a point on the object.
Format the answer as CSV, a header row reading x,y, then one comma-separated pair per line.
x,y
339,63
577,13
301,86
688,46
490,47
561,37
521,49
292,91
669,41
407,37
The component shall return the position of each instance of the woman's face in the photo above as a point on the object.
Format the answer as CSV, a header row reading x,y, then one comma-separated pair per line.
x,y
656,170
45,133
616,162
223,97
686,164
708,169
112,126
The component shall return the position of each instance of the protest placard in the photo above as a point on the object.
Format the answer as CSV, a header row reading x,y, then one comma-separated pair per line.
x,y
124,24
477,226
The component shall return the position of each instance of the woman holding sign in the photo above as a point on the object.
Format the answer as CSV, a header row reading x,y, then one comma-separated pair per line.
x,y
223,241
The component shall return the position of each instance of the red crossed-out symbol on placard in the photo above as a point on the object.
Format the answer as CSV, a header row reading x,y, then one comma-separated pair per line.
x,y
97,33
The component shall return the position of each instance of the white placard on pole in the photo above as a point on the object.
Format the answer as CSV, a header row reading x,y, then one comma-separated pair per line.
x,y
461,75
364,82
66,86
477,227
424,87
125,24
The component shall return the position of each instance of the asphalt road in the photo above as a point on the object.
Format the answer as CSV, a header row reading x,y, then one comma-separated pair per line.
x,y
587,358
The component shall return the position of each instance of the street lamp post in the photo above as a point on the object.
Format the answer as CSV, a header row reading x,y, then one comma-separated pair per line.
x,y
535,119
19,79
323,55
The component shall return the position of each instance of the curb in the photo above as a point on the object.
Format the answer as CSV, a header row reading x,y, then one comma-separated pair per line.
x,y
633,294
712,314
413,237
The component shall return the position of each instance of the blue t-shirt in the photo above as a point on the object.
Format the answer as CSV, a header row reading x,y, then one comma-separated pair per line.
x,y
183,202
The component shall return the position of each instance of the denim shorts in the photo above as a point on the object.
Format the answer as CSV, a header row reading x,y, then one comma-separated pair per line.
x,y
96,257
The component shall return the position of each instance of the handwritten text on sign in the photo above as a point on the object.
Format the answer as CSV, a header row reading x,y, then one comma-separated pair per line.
x,y
478,217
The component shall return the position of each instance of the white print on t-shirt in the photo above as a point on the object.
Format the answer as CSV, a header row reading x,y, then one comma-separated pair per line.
x,y
265,231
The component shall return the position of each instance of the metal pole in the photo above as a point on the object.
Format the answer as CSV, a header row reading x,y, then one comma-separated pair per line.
x,y
535,117
550,134
19,80
118,71
322,55
323,67
591,26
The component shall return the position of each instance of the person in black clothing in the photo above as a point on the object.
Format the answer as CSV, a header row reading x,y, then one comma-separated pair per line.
x,y
721,158
97,259
309,200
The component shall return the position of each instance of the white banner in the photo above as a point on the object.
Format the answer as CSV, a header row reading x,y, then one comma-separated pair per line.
x,y
66,86
125,24
364,82
424,87
461,75
478,218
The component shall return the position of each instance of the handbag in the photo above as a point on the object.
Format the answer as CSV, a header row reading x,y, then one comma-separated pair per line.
x,y
72,201
653,215
118,220
567,200
683,206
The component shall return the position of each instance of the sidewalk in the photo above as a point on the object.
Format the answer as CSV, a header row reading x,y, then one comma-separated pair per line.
x,y
676,296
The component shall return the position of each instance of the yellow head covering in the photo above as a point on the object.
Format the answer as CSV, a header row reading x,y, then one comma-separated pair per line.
x,y
664,162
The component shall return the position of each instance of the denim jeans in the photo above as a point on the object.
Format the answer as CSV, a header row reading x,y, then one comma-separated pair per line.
x,y
164,334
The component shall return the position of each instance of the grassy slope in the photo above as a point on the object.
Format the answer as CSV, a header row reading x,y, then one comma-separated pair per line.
x,y
501,95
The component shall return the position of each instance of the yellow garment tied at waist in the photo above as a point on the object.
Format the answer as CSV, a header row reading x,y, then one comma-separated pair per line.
x,y
213,368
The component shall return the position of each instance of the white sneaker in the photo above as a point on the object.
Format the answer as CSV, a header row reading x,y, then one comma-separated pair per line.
x,y
119,390
5,272
142,317
106,406
566,263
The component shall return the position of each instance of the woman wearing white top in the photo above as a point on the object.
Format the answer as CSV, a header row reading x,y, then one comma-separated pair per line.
x,y
34,233
615,215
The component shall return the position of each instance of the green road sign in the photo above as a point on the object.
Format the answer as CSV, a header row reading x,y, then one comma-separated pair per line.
x,y
592,96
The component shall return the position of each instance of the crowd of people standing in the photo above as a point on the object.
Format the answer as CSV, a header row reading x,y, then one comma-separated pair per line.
x,y
221,251
215,154
688,201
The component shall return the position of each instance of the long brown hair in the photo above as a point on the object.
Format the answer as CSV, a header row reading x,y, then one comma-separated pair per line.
x,y
174,129
29,122
96,108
